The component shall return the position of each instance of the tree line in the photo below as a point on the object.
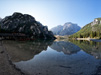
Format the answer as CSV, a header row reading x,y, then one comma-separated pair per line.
x,y
92,34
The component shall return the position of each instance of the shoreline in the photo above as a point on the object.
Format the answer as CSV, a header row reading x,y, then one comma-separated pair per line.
x,y
6,65
89,39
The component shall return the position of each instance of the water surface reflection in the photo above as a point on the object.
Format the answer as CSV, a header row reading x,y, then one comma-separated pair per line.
x,y
23,51
65,47
90,47
55,58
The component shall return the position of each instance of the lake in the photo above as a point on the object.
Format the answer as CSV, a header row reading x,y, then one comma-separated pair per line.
x,y
55,57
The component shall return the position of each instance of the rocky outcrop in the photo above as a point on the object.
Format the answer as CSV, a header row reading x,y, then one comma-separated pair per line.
x,y
96,25
26,24
67,29
96,21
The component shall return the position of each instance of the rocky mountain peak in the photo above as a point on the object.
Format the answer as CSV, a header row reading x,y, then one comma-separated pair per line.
x,y
67,29
96,21
68,23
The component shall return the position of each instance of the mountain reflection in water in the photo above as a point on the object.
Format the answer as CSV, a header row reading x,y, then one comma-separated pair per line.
x,y
65,47
23,51
55,58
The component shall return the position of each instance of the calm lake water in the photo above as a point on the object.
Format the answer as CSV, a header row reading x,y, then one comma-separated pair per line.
x,y
55,57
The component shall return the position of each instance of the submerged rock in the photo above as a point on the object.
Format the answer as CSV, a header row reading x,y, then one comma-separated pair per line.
x,y
26,24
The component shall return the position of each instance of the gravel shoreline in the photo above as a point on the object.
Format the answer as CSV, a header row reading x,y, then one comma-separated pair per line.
x,y
6,66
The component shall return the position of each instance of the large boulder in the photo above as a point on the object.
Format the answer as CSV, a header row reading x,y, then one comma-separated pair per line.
x,y
24,23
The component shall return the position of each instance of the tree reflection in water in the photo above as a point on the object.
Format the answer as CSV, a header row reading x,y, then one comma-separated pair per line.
x,y
55,58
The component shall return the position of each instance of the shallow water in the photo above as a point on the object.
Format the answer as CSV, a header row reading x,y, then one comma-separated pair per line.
x,y
55,57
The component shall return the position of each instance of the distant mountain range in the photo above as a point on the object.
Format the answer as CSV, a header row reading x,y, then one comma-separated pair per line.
x,y
67,29
91,30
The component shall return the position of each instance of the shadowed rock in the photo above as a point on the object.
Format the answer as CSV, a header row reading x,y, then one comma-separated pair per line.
x,y
24,23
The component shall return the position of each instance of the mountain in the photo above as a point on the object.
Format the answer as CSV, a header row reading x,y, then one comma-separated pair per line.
x,y
91,30
26,24
67,29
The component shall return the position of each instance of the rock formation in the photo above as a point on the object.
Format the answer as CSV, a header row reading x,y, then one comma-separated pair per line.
x,y
26,24
96,21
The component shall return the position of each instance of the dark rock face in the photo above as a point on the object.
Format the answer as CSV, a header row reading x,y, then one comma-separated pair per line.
x,y
24,23
0,19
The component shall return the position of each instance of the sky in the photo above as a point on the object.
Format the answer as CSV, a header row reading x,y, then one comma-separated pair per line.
x,y
54,12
